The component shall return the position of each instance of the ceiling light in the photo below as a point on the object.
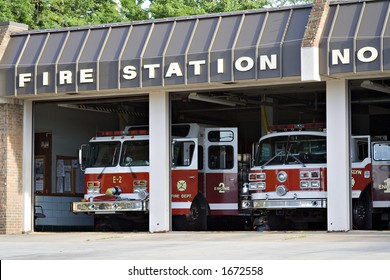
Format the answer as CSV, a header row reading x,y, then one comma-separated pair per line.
x,y
85,108
205,98
375,86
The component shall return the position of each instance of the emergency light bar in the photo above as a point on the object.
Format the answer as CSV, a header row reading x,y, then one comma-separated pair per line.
x,y
122,133
297,127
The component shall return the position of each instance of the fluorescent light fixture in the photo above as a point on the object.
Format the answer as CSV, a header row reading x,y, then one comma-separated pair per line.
x,y
205,98
85,108
375,86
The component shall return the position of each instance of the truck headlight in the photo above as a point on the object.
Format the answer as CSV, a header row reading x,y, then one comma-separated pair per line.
x,y
305,184
282,176
257,186
281,190
93,187
143,194
315,184
93,190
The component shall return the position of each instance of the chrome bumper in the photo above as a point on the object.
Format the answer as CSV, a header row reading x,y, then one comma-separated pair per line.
x,y
284,203
109,207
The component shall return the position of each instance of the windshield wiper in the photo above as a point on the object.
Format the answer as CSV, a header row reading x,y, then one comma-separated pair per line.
x,y
271,159
293,156
128,164
110,162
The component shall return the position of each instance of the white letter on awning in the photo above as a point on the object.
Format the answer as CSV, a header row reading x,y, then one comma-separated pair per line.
x,y
220,66
197,64
129,72
45,78
24,78
65,77
337,55
152,70
271,63
174,69
249,63
373,54
86,76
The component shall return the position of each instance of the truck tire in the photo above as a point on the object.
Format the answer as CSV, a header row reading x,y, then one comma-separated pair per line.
x,y
196,220
362,211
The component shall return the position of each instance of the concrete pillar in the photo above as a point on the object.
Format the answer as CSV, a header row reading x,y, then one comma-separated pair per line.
x,y
338,155
160,190
28,165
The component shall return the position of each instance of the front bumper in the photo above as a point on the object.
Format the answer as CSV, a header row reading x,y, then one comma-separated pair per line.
x,y
284,203
110,207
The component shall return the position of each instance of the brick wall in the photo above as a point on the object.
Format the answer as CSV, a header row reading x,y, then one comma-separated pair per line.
x,y
316,23
11,153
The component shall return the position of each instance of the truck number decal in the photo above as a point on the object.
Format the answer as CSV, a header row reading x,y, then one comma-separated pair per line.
x,y
117,179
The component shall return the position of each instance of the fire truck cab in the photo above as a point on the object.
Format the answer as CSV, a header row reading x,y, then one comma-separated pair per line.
x,y
204,176
288,182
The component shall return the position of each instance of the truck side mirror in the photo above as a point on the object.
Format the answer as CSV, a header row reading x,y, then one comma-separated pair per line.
x,y
82,156
255,147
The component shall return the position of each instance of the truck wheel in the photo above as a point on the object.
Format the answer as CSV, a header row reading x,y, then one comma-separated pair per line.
x,y
196,220
361,212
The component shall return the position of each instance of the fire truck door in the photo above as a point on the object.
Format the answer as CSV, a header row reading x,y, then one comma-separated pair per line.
x,y
184,174
381,174
221,170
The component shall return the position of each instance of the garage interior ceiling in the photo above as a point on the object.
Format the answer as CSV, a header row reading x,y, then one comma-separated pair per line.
x,y
197,106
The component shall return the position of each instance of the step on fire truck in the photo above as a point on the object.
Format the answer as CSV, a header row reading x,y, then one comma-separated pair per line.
x,y
288,185
204,176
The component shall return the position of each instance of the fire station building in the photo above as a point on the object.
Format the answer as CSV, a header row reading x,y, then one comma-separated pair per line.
x,y
327,62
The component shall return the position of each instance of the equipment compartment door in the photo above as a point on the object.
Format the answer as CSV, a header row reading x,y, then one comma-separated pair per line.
x,y
221,170
381,174
184,174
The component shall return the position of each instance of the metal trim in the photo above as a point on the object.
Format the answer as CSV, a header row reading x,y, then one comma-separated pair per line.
x,y
282,43
187,50
37,62
167,43
18,61
141,57
209,49
357,29
235,43
382,37
129,30
99,57
57,61
330,37
78,59
258,44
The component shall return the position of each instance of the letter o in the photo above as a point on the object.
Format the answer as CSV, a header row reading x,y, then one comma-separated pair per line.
x,y
373,54
249,63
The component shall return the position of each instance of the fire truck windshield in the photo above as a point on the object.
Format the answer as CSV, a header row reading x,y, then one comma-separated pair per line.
x,y
135,153
103,154
291,149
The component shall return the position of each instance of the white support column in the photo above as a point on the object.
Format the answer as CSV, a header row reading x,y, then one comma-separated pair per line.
x,y
28,135
338,155
160,191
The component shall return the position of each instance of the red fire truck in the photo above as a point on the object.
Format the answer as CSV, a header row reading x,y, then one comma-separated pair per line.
x,y
287,180
204,176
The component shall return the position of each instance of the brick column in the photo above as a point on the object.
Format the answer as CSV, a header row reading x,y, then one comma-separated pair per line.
x,y
311,40
11,155
11,150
